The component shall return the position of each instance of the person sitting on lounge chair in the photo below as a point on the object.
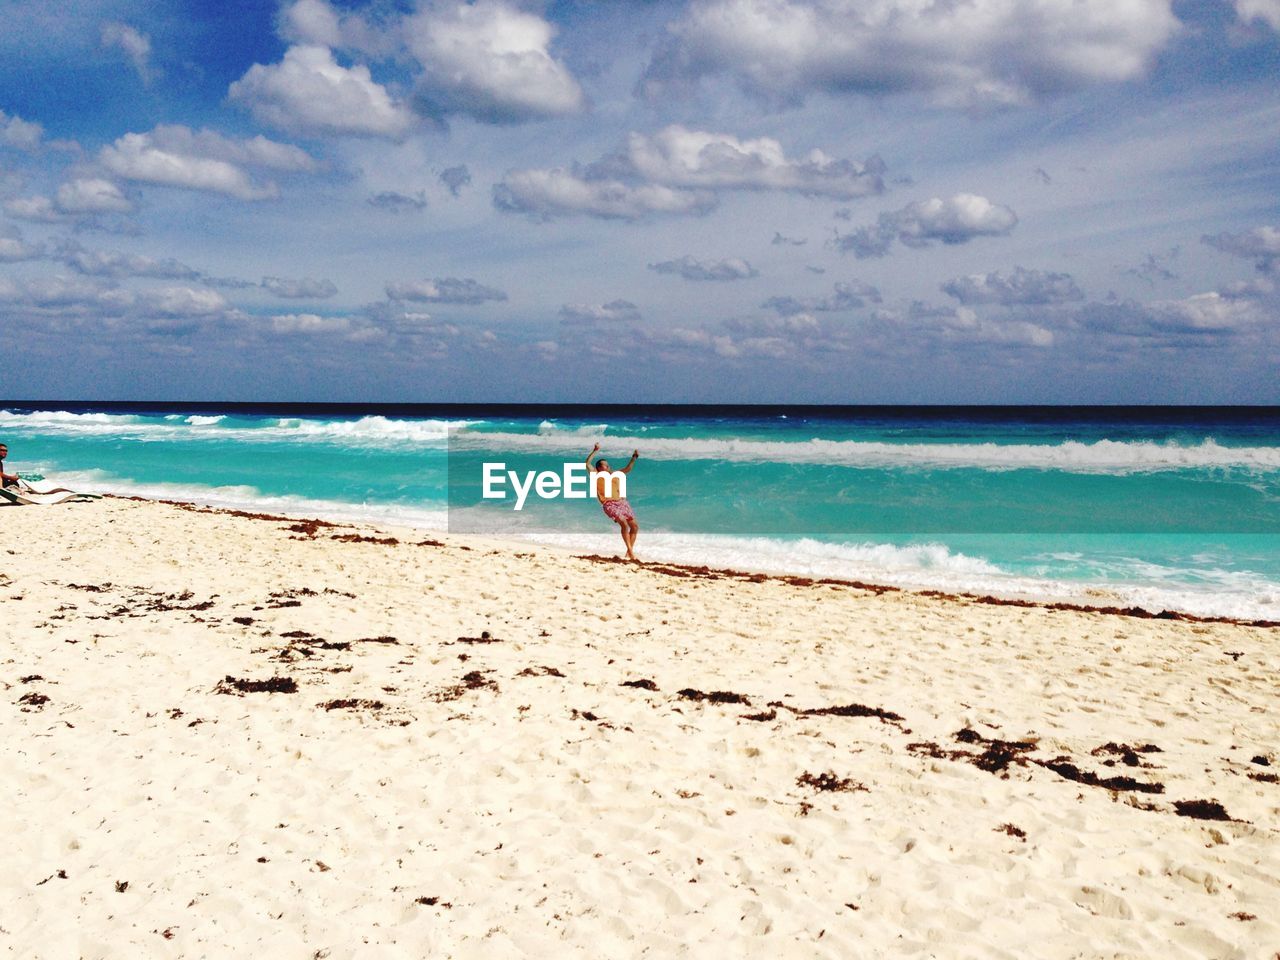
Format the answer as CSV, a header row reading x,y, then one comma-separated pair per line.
x,y
6,479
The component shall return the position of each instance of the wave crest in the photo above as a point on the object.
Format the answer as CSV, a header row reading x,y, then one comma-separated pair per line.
x,y
1101,456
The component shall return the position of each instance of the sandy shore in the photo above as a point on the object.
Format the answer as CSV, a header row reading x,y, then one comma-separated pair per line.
x,y
473,750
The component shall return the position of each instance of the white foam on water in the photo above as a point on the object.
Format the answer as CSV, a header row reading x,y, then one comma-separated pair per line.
x,y
251,499
549,427
375,430
934,566
1101,456
372,431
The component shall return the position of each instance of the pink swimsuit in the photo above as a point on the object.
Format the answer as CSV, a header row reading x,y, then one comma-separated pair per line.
x,y
618,510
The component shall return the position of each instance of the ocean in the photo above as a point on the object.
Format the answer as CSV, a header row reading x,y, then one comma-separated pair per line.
x,y
1161,507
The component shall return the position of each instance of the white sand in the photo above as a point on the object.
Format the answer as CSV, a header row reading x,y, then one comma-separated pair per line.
x,y
266,826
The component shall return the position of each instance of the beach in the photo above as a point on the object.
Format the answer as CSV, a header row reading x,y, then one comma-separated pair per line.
x,y
234,734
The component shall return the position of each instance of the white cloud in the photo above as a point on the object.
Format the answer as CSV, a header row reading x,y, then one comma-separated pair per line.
x,y
963,325
691,268
1000,51
956,220
1211,312
136,46
52,292
444,290
316,23
135,158
18,133
309,323
77,298
33,209
615,311
177,156
79,200
680,157
304,289
310,93
490,61
677,171
91,195
108,263
1266,10
559,192
312,22
1030,287
180,302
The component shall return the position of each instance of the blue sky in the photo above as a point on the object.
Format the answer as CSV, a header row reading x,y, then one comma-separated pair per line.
x,y
1005,201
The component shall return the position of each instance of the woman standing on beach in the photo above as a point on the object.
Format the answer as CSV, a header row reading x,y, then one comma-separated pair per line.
x,y
616,508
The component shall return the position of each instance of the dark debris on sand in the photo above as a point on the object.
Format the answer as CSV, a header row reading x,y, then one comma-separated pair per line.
x,y
715,696
830,782
849,710
360,538
997,756
1011,830
238,687
485,637
433,901
143,601
540,672
1128,755
33,700
687,572
711,573
642,684
1064,768
352,703
1201,810
475,680
763,717
307,529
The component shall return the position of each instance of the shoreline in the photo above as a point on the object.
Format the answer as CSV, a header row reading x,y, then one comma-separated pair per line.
x,y
756,576
1235,575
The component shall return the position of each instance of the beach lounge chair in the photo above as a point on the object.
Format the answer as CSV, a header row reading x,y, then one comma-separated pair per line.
x,y
25,495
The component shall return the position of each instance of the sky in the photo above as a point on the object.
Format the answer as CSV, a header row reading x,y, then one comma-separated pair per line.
x,y
782,201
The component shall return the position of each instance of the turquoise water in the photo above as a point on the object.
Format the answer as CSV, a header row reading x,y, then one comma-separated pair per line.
x,y
1166,508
